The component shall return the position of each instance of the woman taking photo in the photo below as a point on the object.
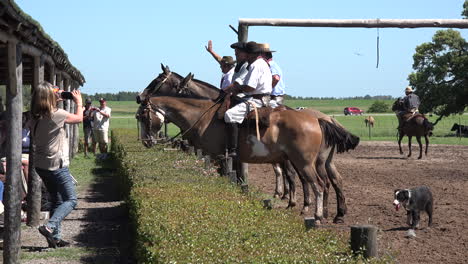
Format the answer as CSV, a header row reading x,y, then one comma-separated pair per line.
x,y
51,155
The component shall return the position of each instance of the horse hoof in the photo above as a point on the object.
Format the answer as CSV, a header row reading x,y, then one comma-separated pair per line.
x,y
325,214
419,157
304,210
338,220
285,197
276,196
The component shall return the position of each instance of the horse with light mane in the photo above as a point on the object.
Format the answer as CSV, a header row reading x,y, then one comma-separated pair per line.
x,y
414,124
170,83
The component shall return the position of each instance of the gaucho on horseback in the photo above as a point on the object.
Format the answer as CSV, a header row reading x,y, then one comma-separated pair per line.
x,y
256,87
409,107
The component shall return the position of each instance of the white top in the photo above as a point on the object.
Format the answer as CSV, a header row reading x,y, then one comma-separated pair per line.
x,y
101,122
226,80
259,77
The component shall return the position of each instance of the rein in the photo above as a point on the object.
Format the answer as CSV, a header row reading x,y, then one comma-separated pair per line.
x,y
155,108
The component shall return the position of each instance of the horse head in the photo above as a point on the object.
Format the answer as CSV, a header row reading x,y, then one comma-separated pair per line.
x,y
398,105
165,84
150,122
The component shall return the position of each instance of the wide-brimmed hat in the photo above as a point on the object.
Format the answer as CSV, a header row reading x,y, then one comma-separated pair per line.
x,y
265,47
408,89
228,60
252,47
238,45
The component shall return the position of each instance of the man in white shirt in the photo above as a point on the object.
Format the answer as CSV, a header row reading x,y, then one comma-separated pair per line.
x,y
101,118
257,87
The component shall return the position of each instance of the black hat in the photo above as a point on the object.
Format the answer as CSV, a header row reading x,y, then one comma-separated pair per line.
x,y
238,45
88,101
253,47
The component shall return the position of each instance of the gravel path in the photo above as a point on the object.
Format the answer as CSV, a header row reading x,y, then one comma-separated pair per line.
x,y
97,229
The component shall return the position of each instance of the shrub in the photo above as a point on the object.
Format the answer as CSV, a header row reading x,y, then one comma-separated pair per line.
x,y
379,107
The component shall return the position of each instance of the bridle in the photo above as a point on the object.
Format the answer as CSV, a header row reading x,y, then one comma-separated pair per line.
x,y
144,113
152,108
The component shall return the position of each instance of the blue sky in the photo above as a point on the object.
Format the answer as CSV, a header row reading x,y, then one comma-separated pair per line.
x,y
119,45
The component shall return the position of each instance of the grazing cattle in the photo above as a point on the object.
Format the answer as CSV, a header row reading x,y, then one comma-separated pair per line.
x,y
460,129
369,121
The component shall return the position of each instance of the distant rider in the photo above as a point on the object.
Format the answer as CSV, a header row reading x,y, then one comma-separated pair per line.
x,y
410,104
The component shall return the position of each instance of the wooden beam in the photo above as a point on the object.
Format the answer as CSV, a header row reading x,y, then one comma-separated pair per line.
x,y
356,23
14,93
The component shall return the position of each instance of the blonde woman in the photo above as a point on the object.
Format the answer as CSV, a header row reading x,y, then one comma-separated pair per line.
x,y
51,155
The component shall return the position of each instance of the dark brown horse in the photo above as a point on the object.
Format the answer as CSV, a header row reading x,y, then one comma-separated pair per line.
x,y
170,83
414,124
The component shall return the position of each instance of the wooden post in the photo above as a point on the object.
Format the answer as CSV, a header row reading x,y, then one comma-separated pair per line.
x,y
60,84
309,223
199,154
364,240
14,94
207,161
34,182
243,33
370,135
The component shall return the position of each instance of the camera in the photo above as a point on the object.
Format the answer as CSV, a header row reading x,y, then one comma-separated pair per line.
x,y
66,95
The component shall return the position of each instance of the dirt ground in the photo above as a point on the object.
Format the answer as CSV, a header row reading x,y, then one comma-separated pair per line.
x,y
370,175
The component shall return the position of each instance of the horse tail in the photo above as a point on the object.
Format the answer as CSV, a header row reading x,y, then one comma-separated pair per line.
x,y
337,136
428,126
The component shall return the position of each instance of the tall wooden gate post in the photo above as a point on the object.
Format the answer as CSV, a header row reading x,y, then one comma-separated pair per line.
x,y
14,98
34,195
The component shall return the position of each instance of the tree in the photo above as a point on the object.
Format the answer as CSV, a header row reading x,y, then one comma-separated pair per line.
x,y
465,9
379,107
441,73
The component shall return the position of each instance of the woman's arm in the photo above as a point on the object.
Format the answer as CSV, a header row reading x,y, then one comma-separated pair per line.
x,y
77,117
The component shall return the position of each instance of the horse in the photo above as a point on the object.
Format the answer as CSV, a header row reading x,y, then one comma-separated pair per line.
x,y
170,83
414,124
150,130
369,121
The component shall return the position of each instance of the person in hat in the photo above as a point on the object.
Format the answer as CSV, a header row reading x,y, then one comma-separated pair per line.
x,y
226,63
88,125
240,68
256,87
411,104
277,95
101,118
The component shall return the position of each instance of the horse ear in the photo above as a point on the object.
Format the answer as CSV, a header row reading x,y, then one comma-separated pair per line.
x,y
165,69
186,80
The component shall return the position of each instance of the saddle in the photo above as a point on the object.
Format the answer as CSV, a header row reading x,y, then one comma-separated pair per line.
x,y
409,116
250,119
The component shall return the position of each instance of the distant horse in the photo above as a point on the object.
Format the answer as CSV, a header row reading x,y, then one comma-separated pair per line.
x,y
369,121
170,83
460,129
413,125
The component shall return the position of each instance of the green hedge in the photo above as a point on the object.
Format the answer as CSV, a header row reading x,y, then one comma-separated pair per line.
x,y
183,213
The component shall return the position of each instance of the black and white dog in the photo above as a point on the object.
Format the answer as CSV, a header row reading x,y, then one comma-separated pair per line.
x,y
414,201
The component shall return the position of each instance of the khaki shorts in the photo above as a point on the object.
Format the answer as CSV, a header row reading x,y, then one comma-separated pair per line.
x,y
100,136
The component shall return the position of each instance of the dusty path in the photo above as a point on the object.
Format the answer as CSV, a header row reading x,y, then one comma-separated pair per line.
x,y
373,171
97,228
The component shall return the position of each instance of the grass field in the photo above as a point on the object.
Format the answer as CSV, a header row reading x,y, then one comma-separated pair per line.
x,y
123,116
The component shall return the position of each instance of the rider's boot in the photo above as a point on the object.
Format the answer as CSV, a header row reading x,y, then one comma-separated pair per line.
x,y
233,133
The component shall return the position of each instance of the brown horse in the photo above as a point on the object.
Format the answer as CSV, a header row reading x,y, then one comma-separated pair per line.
x,y
413,125
149,131
369,121
170,83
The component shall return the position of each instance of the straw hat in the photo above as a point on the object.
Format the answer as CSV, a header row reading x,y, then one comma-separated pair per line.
x,y
228,60
409,89
265,47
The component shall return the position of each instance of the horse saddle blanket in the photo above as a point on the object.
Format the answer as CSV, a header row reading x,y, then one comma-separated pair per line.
x,y
263,116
